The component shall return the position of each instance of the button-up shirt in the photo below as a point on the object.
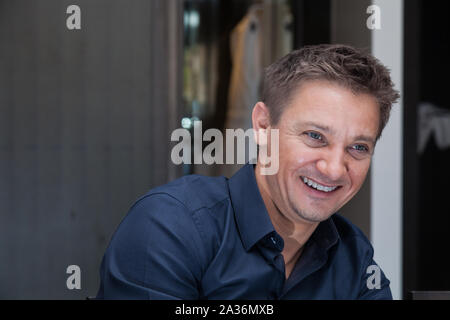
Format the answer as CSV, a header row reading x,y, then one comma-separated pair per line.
x,y
212,238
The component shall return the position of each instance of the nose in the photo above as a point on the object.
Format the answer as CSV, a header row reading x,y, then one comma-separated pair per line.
x,y
333,165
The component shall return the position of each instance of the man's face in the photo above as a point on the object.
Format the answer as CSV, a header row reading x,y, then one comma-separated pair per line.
x,y
327,136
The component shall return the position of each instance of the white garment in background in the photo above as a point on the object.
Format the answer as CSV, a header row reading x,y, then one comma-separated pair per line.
x,y
433,120
246,74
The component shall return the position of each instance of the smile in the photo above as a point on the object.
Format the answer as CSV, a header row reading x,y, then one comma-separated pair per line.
x,y
318,186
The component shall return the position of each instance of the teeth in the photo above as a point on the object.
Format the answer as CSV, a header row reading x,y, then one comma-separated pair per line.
x,y
317,186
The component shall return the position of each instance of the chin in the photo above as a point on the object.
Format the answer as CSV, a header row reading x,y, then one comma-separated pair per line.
x,y
313,216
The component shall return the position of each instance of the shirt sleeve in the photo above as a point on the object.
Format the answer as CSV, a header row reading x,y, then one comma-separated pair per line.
x,y
154,254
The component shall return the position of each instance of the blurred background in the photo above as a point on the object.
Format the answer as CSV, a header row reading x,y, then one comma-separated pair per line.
x,y
86,117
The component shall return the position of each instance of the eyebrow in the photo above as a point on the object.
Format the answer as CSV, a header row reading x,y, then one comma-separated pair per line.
x,y
365,138
318,126
328,130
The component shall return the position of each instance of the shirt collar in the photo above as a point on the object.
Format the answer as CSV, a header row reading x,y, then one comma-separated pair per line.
x,y
252,218
326,234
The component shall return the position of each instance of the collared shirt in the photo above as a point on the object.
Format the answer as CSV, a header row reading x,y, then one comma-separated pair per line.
x,y
212,238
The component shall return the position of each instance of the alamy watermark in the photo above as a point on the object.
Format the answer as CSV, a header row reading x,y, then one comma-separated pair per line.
x,y
235,140
374,280
374,20
74,280
73,22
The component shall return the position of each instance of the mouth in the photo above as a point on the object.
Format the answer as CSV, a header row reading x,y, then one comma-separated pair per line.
x,y
319,187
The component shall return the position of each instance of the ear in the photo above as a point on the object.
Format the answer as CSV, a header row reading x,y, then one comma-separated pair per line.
x,y
261,123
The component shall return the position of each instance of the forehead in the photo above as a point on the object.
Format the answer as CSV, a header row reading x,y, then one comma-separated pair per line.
x,y
332,106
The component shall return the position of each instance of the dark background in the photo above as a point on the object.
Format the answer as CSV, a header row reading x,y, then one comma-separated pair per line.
x,y
427,175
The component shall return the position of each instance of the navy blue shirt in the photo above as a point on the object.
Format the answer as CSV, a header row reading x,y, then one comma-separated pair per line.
x,y
211,238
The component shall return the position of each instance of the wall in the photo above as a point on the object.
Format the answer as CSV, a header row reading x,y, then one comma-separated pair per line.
x,y
86,117
387,165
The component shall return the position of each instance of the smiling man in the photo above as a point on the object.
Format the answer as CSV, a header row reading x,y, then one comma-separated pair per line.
x,y
277,236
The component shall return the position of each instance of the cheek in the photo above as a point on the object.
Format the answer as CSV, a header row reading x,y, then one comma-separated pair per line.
x,y
358,173
294,152
300,161
304,158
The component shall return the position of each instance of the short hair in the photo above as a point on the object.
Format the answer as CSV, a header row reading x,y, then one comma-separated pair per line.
x,y
342,64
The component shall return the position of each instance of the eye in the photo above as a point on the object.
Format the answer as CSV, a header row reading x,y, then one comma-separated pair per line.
x,y
314,139
314,135
360,148
360,151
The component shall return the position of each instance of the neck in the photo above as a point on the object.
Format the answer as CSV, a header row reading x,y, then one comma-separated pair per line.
x,y
294,230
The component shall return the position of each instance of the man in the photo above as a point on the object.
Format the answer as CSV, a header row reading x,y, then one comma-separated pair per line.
x,y
269,236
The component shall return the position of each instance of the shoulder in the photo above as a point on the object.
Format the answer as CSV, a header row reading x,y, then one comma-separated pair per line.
x,y
192,191
354,257
178,205
352,237
162,234
192,209
166,219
